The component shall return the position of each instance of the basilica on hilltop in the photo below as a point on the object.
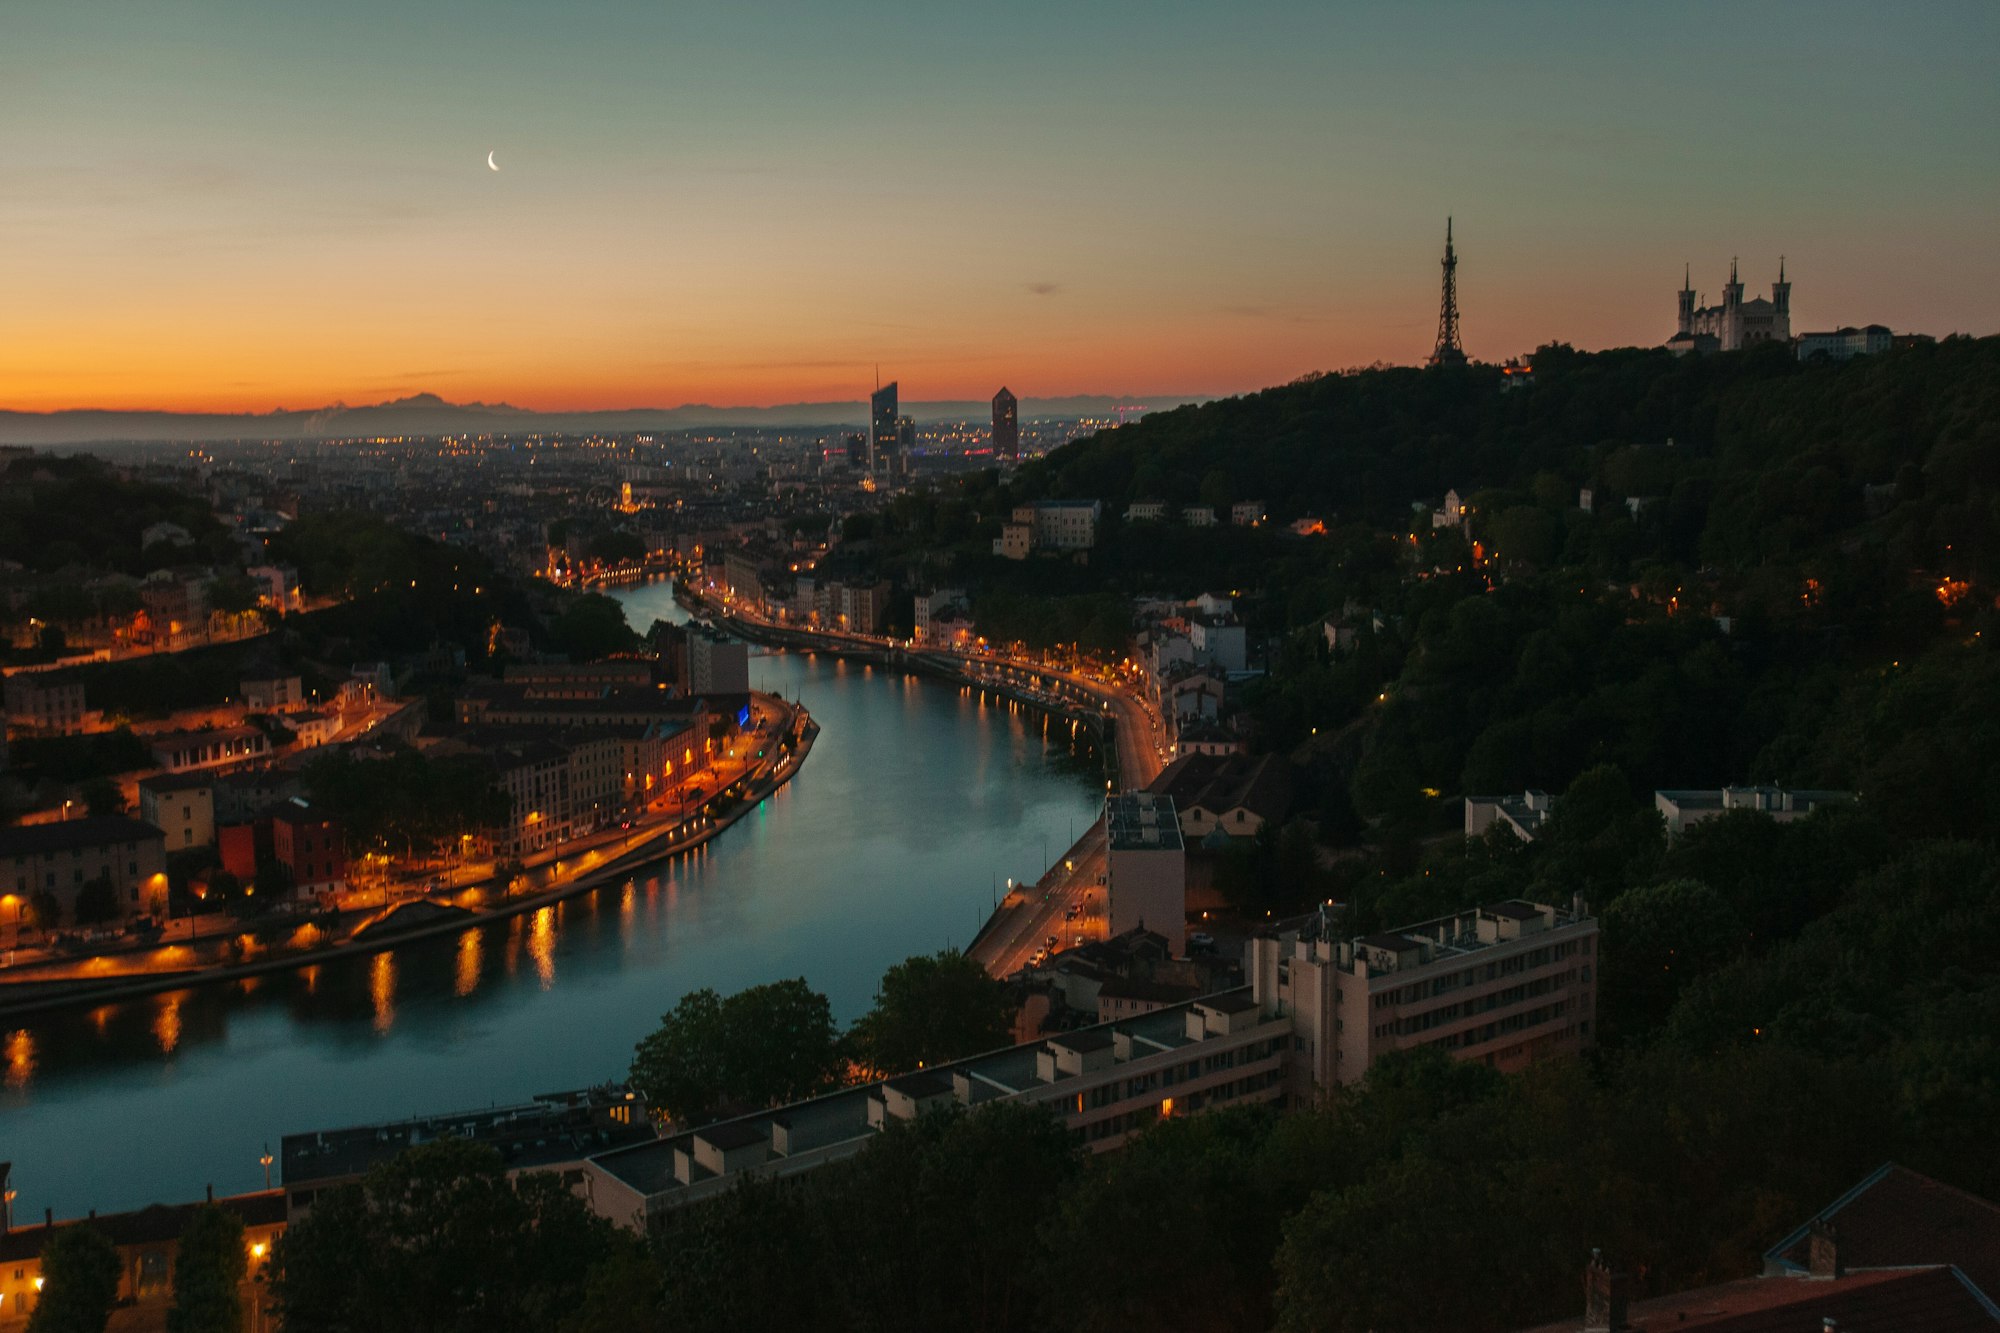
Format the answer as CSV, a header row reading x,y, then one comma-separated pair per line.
x,y
1736,323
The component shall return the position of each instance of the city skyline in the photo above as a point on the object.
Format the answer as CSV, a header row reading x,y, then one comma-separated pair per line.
x,y
220,209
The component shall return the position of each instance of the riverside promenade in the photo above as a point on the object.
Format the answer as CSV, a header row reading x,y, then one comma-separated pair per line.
x,y
261,946
1067,903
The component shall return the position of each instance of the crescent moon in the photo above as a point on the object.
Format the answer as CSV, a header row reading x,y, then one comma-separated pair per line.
x,y
491,163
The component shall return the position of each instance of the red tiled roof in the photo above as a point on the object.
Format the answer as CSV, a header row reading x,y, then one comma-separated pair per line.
x,y
1900,1217
1897,1300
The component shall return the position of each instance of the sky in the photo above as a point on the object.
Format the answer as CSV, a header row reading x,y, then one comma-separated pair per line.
x,y
209,205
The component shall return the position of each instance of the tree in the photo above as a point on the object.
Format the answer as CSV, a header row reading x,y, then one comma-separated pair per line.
x,y
101,796
621,1294
233,594
932,1009
45,909
759,1047
592,627
208,1274
437,1238
96,902
80,1271
1656,939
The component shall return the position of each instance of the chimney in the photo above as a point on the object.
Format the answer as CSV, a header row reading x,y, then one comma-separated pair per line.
x,y
1605,1296
49,1218
1825,1243
211,1194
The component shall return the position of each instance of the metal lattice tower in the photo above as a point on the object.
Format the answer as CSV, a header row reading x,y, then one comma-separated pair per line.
x,y
1448,352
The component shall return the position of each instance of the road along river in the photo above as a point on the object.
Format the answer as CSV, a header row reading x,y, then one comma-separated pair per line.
x,y
917,803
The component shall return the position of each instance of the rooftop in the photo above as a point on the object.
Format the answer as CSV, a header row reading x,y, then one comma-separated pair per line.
x,y
841,1119
1898,1217
1142,821
1937,1299
154,1224
68,834
554,1127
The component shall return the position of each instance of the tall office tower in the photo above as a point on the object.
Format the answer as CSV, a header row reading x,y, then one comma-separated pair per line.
x,y
1006,425
881,426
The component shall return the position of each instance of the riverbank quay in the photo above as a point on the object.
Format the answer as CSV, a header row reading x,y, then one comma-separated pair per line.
x,y
1067,902
99,980
1128,734
1066,906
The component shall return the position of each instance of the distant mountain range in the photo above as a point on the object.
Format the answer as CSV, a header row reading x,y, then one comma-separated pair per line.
x,y
428,414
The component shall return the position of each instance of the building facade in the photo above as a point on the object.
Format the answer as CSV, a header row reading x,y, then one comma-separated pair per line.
x,y
1006,424
1146,867
1844,343
1735,323
1505,985
1681,808
1106,1083
882,432
45,704
60,859
716,664
182,808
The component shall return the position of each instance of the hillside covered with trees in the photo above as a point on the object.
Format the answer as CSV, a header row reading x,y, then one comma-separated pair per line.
x,y
1801,597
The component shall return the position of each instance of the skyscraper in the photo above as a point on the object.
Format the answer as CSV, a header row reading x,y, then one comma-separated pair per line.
x,y
1006,425
881,427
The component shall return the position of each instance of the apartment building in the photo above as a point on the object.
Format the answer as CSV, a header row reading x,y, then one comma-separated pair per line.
x,y
717,664
1106,1082
44,703
553,1132
1683,808
147,1242
273,694
221,747
1146,868
182,807
1505,985
61,858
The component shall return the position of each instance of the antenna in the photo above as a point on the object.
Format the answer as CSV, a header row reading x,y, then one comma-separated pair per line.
x,y
1448,351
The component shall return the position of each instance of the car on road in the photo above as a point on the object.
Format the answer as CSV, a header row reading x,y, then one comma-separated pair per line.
x,y
1051,942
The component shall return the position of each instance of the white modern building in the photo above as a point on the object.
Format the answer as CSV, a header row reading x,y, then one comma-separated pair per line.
x,y
1682,808
1524,815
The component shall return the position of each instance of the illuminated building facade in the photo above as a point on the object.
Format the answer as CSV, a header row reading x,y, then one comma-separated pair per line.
x,y
60,859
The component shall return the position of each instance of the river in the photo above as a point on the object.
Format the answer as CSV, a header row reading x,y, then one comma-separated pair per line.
x,y
915,802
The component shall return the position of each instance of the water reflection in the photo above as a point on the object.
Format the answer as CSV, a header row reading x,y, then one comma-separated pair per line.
x,y
382,990
469,946
20,1057
542,945
167,1021
915,801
